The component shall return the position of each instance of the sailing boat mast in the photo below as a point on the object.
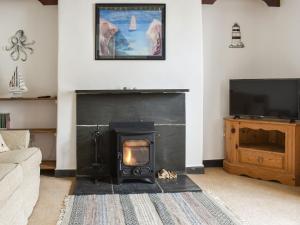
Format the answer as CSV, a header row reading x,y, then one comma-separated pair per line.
x,y
132,26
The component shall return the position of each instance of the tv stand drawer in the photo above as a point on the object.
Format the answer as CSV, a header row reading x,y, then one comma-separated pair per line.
x,y
260,158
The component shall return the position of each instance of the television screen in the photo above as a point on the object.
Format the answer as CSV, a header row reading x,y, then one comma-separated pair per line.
x,y
265,98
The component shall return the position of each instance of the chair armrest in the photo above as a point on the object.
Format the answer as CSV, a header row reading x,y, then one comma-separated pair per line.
x,y
16,139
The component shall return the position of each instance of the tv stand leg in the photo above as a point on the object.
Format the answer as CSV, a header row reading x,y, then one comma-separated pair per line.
x,y
236,117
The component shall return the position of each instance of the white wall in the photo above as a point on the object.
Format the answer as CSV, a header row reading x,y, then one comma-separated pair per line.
x,y
79,70
40,24
40,71
271,36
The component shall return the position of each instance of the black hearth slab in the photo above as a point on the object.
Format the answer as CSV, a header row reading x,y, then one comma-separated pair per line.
x,y
105,108
136,188
129,91
182,184
85,186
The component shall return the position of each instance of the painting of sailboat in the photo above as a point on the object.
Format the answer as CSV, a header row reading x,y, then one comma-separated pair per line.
x,y
130,31
132,26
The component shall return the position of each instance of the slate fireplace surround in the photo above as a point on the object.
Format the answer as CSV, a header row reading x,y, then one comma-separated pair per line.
x,y
166,108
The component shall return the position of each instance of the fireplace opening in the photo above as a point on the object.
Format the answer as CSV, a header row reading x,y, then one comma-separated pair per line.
x,y
134,144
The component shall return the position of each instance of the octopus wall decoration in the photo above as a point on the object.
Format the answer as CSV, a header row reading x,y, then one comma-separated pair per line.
x,y
19,47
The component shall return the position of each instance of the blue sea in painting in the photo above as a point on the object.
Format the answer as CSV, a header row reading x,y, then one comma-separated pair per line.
x,y
134,42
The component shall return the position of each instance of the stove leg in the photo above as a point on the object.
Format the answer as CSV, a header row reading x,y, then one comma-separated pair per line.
x,y
118,181
152,180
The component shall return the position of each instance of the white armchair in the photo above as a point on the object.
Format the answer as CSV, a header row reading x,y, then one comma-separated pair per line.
x,y
20,170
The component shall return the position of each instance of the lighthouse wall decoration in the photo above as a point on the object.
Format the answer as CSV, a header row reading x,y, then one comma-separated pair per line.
x,y
236,40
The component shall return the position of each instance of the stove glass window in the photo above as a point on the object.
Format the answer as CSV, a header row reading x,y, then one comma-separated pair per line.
x,y
136,152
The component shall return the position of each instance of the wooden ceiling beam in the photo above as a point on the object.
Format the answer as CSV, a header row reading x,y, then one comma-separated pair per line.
x,y
49,2
273,3
208,2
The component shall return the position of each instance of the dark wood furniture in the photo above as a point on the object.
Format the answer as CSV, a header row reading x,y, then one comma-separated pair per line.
x,y
268,150
38,130
273,3
48,165
29,99
49,2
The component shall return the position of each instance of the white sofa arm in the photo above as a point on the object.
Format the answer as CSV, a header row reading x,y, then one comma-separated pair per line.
x,y
16,139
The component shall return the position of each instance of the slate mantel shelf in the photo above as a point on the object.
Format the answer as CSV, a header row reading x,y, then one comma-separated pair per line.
x,y
131,91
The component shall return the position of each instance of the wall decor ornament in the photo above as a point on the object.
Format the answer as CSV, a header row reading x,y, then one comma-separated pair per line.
x,y
130,31
19,47
17,85
236,40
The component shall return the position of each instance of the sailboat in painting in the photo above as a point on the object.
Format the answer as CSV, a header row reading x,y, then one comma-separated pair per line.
x,y
132,26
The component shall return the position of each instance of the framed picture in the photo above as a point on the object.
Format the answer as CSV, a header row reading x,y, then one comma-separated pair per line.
x,y
130,31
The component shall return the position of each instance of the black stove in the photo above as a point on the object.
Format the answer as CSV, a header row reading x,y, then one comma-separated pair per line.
x,y
134,148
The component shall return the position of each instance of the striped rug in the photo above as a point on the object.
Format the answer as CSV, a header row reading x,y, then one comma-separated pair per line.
x,y
187,208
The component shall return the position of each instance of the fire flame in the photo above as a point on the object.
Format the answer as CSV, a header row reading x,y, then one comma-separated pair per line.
x,y
128,159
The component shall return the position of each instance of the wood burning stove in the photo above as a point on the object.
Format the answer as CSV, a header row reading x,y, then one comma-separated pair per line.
x,y
134,144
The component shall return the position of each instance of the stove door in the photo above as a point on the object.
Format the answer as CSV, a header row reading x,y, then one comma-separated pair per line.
x,y
136,152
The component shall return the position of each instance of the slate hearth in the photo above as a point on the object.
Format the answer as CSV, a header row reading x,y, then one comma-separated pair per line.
x,y
85,186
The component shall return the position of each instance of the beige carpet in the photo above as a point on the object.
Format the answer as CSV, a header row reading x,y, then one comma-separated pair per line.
x,y
258,202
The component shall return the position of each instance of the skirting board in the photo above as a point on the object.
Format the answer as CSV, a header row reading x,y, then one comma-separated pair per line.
x,y
65,173
213,163
195,170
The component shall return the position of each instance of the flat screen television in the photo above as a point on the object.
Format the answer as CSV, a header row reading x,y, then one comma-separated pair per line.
x,y
276,98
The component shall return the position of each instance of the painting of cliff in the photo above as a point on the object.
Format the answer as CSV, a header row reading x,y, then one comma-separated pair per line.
x,y
130,31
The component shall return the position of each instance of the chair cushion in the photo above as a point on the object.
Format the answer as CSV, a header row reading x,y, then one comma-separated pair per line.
x,y
11,178
3,146
16,139
20,156
29,159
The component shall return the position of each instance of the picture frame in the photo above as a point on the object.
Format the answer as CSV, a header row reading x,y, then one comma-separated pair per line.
x,y
130,31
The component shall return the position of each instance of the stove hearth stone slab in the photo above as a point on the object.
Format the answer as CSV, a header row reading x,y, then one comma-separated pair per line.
x,y
85,186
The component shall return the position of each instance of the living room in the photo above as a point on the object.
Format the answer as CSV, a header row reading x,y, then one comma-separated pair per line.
x,y
133,112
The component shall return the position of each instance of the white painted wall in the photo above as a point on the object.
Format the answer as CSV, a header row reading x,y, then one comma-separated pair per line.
x,y
40,24
40,71
79,70
271,36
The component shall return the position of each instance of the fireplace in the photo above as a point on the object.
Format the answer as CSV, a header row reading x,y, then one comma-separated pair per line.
x,y
134,147
99,108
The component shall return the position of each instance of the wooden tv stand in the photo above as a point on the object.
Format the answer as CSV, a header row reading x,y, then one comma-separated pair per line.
x,y
264,149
